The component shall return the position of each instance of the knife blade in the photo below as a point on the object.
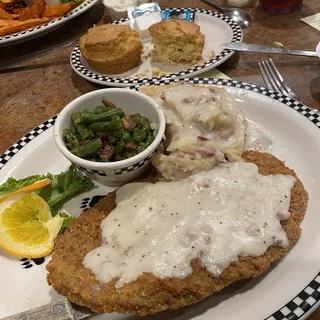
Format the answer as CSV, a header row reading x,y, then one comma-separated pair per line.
x,y
59,310
258,48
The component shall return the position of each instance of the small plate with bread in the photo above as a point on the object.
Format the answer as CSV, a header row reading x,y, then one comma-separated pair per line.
x,y
115,54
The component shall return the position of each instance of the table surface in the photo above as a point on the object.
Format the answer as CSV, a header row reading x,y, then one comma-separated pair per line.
x,y
39,88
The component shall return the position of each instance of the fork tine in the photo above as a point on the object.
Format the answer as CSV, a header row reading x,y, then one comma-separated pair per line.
x,y
285,86
265,76
274,81
275,69
277,76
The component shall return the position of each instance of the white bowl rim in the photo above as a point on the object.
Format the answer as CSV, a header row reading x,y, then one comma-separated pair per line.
x,y
318,49
115,164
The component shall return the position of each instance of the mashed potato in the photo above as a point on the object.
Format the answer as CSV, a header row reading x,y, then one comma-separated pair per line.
x,y
205,127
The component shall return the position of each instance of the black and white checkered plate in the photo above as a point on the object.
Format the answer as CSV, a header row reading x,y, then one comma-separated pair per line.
x,y
218,29
45,27
291,296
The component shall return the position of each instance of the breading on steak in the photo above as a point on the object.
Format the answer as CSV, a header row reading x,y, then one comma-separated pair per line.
x,y
149,294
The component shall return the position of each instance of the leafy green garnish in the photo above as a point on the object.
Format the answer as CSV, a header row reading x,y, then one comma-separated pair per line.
x,y
66,220
63,186
12,184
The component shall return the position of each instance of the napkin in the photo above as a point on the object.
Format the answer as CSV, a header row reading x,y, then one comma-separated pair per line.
x,y
313,21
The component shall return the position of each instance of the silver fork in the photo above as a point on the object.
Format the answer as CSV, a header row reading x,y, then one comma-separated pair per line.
x,y
273,79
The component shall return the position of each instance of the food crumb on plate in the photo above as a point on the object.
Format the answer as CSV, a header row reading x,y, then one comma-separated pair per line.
x,y
141,74
156,72
211,55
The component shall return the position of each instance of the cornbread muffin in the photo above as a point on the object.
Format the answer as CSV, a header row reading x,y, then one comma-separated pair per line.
x,y
176,41
111,49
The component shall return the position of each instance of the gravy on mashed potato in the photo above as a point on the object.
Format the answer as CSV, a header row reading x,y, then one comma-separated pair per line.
x,y
205,127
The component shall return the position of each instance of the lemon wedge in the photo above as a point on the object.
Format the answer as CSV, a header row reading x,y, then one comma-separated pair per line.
x,y
27,228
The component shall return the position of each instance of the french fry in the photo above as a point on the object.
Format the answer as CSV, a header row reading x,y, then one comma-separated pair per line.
x,y
10,2
21,26
17,10
58,10
5,23
16,13
15,16
4,15
34,11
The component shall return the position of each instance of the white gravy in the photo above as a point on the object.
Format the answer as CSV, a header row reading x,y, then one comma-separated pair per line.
x,y
216,216
203,126
258,138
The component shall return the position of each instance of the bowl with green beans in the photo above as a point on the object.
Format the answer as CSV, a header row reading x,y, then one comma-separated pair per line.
x,y
110,134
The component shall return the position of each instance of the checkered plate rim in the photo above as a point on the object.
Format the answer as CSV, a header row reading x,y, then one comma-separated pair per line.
x,y
55,22
99,78
302,303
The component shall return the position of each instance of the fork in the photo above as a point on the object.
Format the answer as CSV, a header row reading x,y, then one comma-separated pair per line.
x,y
273,79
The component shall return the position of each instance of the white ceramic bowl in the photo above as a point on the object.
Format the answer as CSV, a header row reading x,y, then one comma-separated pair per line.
x,y
131,101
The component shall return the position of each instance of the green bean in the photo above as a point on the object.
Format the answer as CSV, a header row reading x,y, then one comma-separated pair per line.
x,y
146,126
108,103
116,117
68,145
126,137
119,148
76,117
88,118
106,126
139,135
140,149
70,138
101,109
149,139
130,154
75,133
143,144
111,138
91,147
145,120
136,118
84,132
119,157
118,133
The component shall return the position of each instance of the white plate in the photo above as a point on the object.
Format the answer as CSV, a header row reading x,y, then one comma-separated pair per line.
x,y
289,290
216,27
44,28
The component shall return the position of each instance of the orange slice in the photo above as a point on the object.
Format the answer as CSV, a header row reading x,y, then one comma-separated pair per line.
x,y
27,228
33,187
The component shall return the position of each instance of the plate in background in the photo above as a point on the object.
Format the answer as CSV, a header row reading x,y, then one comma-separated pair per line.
x,y
44,28
216,27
